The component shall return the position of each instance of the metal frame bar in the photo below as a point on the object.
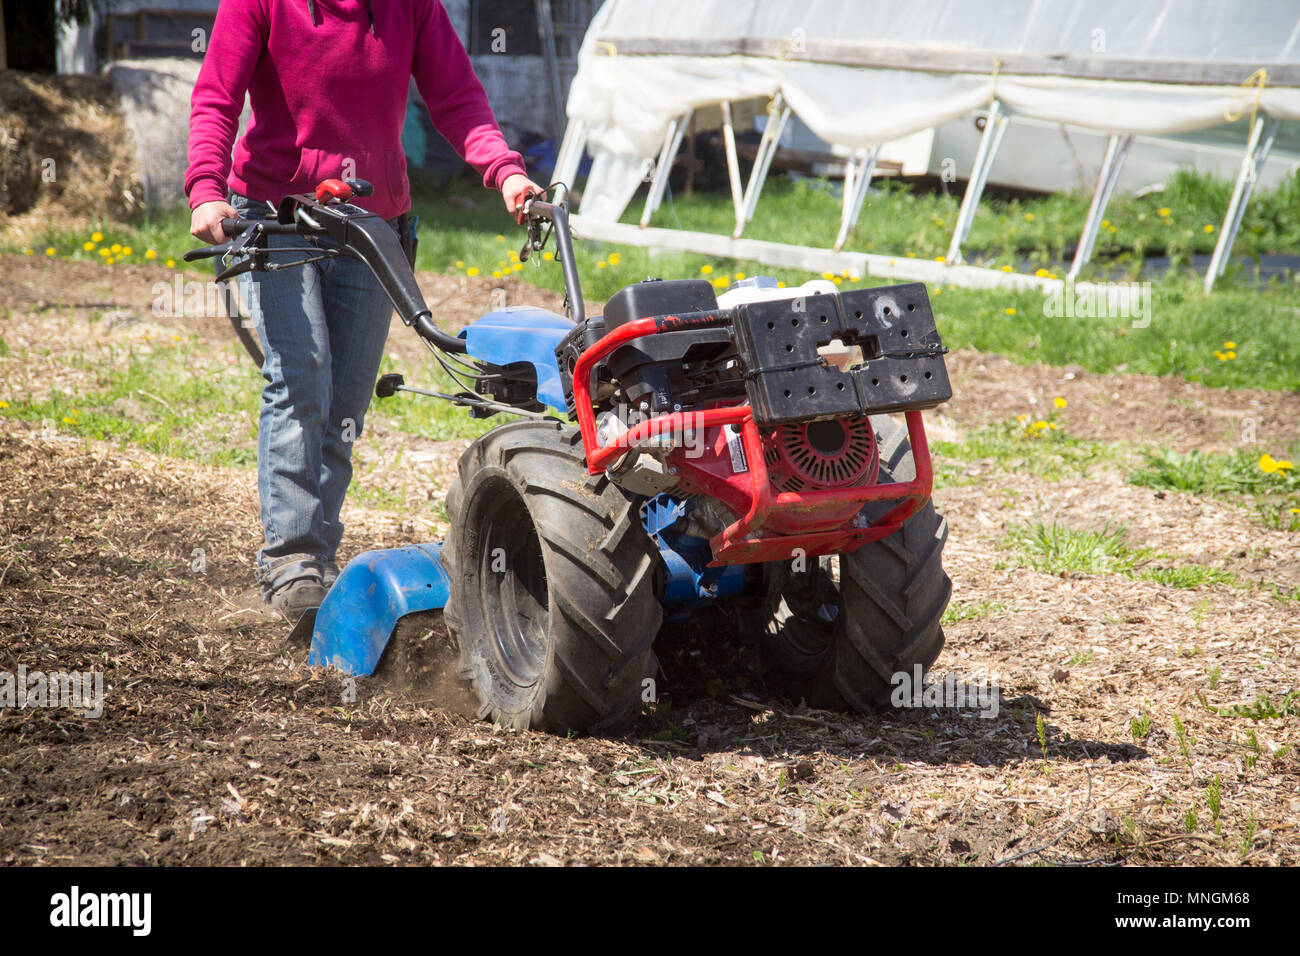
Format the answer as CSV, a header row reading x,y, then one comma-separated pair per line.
x,y
733,166
569,159
995,128
778,116
1262,134
857,183
672,143
546,34
1107,176
944,59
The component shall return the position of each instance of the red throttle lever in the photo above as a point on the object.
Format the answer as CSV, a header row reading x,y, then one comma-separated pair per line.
x,y
341,190
333,190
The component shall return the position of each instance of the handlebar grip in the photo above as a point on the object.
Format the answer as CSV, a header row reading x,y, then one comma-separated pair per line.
x,y
232,227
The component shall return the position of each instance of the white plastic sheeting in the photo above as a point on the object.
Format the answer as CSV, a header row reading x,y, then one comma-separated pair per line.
x,y
864,72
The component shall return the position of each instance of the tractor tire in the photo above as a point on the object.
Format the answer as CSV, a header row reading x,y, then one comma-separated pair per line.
x,y
552,599
836,632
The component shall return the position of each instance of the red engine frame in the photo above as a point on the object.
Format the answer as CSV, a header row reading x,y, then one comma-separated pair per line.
x,y
741,543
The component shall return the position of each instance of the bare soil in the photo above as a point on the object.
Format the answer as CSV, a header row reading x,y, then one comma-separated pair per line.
x,y
218,745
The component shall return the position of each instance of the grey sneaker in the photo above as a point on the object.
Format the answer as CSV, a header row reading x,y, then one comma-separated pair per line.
x,y
298,597
330,575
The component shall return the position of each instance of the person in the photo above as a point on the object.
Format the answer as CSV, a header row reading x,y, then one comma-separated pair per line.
x,y
327,81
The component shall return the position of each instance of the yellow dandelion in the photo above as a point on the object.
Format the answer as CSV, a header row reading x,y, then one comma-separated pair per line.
x,y
1229,345
501,238
548,256
460,264
780,285
109,261
88,246
68,420
1043,274
496,273
1006,268
1230,355
1163,212
1284,465
740,276
1267,465
1029,217
116,248
1010,310
615,258
151,254
1294,511
706,270
96,237
602,264
1022,417
176,338
1060,402
49,250
472,271
4,404
28,252
104,253
126,250
171,263
1208,228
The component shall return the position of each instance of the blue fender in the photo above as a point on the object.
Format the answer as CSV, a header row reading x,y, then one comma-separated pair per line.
x,y
373,593
522,334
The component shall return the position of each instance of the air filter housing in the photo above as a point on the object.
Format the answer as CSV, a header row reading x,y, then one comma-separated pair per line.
x,y
831,453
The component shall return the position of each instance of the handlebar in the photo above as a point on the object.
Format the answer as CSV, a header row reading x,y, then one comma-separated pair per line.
x,y
363,235
537,211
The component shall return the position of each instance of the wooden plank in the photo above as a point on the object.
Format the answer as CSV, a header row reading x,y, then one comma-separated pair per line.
x,y
813,260
934,60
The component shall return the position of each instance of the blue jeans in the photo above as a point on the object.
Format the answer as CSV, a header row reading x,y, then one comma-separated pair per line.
x,y
323,327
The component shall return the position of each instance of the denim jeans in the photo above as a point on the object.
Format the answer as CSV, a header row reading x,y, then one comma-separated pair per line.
x,y
323,327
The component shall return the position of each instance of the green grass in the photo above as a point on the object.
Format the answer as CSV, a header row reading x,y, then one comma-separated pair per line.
x,y
1273,488
1215,473
1035,231
1013,447
165,400
188,401
971,611
1056,549
465,224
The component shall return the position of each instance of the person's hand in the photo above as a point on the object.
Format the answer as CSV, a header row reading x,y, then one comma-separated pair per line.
x,y
205,222
516,191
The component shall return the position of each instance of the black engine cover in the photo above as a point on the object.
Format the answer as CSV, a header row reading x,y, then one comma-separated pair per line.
x,y
651,370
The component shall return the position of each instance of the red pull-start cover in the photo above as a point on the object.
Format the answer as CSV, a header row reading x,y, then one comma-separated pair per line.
x,y
332,189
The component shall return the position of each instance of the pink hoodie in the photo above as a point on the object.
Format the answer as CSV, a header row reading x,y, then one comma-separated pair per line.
x,y
328,81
